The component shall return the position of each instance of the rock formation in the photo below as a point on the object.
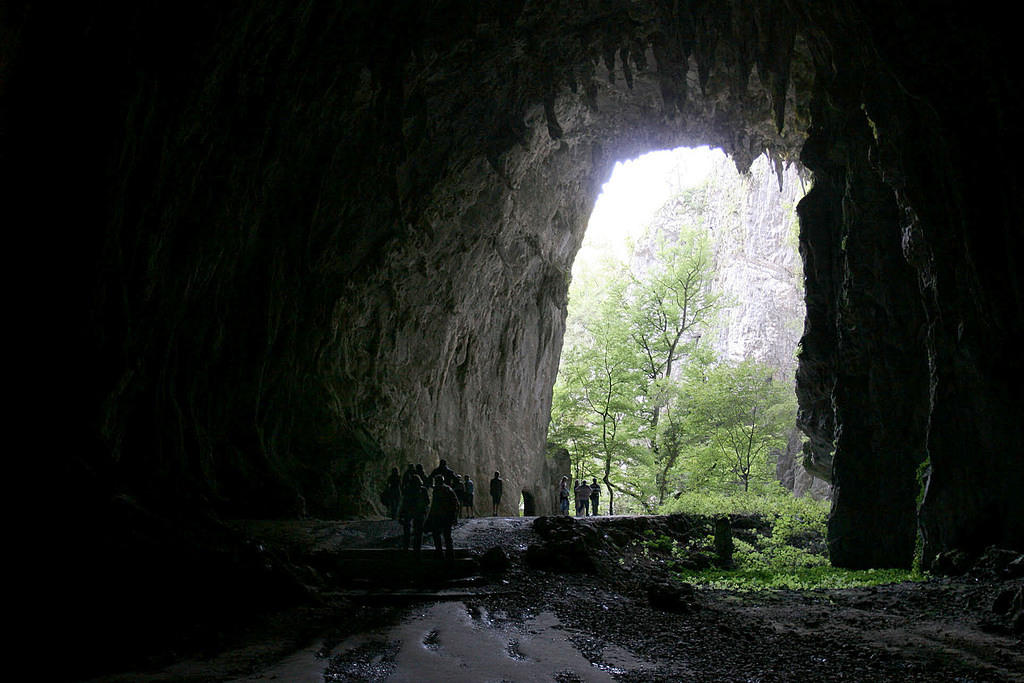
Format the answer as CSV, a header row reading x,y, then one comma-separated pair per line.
x,y
751,222
276,249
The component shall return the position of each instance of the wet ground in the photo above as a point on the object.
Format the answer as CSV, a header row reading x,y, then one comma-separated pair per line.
x,y
526,624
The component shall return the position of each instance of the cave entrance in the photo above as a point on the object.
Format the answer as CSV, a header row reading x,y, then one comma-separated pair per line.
x,y
689,276
527,505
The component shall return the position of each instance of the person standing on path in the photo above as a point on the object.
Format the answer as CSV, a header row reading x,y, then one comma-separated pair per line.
x,y
413,511
393,492
563,496
469,502
585,497
497,486
595,496
407,475
442,471
444,512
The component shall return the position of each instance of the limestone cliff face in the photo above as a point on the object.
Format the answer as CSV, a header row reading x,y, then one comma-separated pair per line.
x,y
292,245
761,274
759,270
751,221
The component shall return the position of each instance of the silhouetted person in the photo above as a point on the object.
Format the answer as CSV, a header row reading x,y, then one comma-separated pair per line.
x,y
423,475
585,497
469,502
413,511
460,491
410,471
497,487
563,496
443,472
393,492
595,496
444,511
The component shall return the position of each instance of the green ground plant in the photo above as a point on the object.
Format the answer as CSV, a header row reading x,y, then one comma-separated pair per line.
x,y
790,556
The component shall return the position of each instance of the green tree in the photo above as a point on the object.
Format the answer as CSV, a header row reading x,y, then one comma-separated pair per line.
x,y
596,397
596,406
742,413
668,307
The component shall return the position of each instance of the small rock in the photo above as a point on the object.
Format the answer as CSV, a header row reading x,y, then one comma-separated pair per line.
x,y
670,596
952,563
1015,569
495,560
999,563
695,561
1009,600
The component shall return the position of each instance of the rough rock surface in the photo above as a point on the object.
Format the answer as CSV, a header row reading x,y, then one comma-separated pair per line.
x,y
329,260
274,249
626,621
751,222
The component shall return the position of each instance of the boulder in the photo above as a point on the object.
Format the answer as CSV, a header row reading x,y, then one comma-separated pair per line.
x,y
670,596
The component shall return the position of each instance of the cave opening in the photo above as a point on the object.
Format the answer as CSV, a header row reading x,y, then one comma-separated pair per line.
x,y
296,246
528,505
688,267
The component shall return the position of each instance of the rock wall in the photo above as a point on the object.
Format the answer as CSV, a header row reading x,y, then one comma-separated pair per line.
x,y
892,372
751,220
325,250
284,247
761,272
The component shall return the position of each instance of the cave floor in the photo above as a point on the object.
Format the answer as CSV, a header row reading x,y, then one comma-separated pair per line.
x,y
532,625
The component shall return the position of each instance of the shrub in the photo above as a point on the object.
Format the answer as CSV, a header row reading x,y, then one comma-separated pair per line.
x,y
791,556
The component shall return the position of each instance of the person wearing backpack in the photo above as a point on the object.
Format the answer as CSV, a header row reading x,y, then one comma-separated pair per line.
x,y
584,494
444,512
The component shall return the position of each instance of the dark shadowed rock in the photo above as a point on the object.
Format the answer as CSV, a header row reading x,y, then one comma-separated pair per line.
x,y
723,542
494,560
952,563
994,563
296,247
566,546
999,563
670,596
1009,600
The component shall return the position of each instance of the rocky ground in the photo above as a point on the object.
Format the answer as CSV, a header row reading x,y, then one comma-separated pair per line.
x,y
588,600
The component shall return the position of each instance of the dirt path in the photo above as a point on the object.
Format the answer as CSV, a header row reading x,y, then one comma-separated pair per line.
x,y
527,624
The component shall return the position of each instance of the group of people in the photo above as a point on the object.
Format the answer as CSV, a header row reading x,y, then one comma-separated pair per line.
x,y
432,503
587,496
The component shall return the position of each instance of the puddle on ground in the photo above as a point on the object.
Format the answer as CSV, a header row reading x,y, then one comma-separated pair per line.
x,y
450,641
466,644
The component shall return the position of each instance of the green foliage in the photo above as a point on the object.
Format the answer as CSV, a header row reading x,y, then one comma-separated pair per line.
x,y
658,544
744,415
790,556
594,405
640,401
797,578
776,502
626,333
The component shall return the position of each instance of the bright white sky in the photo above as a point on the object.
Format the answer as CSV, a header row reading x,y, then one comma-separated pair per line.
x,y
635,191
